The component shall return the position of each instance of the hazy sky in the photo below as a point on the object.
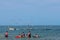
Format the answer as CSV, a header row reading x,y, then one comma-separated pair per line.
x,y
34,12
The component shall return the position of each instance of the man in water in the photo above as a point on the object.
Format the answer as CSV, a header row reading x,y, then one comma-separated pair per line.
x,y
6,34
29,34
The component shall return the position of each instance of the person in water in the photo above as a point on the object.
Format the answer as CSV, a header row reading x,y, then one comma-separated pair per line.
x,y
36,36
23,34
6,34
29,34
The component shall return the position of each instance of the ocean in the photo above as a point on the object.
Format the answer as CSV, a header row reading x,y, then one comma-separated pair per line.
x,y
50,32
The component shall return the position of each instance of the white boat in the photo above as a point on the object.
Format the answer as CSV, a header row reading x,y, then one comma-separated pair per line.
x,y
12,29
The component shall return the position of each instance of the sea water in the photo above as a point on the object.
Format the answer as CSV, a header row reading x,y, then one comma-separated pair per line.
x,y
45,32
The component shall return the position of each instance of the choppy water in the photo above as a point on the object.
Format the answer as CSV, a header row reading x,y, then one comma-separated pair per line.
x,y
46,33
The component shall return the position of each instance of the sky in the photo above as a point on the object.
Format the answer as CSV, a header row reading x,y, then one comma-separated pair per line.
x,y
32,12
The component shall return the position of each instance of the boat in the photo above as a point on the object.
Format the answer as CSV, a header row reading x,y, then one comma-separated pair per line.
x,y
12,29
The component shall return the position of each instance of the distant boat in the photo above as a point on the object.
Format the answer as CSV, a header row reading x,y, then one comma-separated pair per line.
x,y
12,29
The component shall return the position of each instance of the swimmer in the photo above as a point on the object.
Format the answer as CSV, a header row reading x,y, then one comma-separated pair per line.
x,y
23,34
36,36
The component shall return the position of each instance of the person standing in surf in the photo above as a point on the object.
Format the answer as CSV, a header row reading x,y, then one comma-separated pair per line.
x,y
6,34
29,34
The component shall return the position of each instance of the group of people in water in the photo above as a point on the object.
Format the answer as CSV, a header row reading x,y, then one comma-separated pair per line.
x,y
22,35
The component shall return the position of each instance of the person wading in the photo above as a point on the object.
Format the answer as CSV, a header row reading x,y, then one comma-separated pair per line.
x,y
29,34
6,34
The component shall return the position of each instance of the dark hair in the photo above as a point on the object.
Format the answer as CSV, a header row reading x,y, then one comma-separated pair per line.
x,y
23,32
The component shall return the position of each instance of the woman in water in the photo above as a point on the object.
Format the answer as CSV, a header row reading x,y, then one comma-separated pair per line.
x,y
6,34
